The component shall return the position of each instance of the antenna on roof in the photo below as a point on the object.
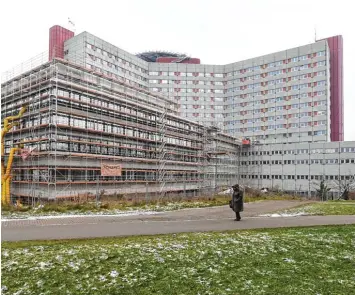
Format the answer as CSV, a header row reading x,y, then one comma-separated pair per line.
x,y
71,25
315,34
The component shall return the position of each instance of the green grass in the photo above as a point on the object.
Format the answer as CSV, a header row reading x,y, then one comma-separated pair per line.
x,y
324,208
317,260
116,207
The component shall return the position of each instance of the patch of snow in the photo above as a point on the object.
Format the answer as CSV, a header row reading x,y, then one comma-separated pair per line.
x,y
102,278
159,259
43,265
118,214
288,260
39,283
114,273
285,214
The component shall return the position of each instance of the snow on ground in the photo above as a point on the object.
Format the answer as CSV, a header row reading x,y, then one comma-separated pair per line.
x,y
150,210
295,214
120,213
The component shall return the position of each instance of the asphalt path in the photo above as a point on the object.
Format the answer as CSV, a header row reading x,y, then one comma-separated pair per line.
x,y
188,220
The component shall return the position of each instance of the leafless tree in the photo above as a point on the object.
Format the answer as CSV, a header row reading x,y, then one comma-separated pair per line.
x,y
345,186
322,188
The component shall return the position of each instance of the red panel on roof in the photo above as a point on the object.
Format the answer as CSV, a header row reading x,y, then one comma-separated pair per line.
x,y
57,36
174,59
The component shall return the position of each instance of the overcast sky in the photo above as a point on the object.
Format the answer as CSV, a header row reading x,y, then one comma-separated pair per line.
x,y
217,32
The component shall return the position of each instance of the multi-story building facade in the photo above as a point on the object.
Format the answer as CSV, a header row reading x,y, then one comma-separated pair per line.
x,y
298,167
94,102
289,96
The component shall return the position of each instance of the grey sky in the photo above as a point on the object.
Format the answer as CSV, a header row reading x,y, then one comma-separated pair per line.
x,y
217,32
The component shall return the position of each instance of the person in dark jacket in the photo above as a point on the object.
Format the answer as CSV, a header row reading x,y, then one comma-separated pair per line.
x,y
237,201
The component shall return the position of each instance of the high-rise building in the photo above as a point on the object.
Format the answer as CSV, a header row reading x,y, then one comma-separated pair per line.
x,y
294,95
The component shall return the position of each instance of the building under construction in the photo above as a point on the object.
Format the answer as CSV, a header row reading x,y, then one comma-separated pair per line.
x,y
99,120
86,133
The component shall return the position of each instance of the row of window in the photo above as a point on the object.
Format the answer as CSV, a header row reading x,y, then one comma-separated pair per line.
x,y
281,99
273,119
283,126
243,79
277,90
301,151
296,177
253,95
115,58
188,82
281,108
102,104
254,85
277,81
92,175
187,90
241,71
112,75
302,161
98,62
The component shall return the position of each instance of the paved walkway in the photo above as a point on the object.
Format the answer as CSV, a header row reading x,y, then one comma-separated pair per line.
x,y
189,220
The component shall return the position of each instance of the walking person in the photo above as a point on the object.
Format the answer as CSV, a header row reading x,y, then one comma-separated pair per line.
x,y
237,201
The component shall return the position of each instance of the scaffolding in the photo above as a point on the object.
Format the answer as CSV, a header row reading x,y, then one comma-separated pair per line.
x,y
78,119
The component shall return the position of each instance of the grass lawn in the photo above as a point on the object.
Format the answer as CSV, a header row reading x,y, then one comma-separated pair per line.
x,y
324,208
318,260
121,207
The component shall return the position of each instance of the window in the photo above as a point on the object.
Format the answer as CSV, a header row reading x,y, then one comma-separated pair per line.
x,y
294,59
321,53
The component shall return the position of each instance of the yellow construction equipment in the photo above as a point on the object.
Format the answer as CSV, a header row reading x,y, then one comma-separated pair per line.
x,y
6,171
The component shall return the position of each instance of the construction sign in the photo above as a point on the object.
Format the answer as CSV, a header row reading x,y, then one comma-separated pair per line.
x,y
111,169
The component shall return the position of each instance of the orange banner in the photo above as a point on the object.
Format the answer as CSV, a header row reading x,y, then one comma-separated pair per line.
x,y
111,169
